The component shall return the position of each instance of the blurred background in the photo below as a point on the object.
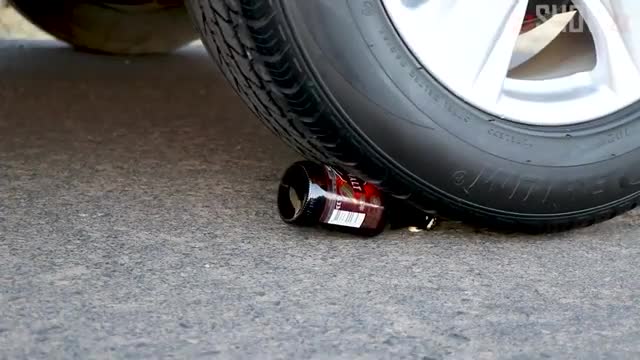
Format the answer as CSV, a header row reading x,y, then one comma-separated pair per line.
x,y
13,25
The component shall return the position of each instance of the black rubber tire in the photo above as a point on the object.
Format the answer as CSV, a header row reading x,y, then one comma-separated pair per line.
x,y
333,79
113,27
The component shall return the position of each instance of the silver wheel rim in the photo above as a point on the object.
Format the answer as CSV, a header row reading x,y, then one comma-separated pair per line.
x,y
548,76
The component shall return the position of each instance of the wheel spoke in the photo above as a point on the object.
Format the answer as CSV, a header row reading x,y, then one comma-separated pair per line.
x,y
555,78
467,43
616,42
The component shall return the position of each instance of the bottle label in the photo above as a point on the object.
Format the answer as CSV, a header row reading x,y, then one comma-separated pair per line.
x,y
346,218
351,202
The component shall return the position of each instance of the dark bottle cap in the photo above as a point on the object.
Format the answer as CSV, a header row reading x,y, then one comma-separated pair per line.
x,y
301,198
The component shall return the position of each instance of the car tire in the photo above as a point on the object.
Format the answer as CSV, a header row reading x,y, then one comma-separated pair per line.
x,y
334,79
113,27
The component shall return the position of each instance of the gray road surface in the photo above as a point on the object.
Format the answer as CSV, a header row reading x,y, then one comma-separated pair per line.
x,y
137,220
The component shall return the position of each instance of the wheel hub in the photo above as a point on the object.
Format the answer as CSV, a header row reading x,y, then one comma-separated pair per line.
x,y
543,62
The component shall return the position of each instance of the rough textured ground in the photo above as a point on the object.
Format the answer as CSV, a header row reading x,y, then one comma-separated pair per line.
x,y
137,220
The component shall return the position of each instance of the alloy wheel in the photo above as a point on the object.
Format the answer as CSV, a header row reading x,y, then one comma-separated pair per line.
x,y
578,62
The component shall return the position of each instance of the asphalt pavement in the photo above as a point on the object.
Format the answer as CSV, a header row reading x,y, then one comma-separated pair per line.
x,y
137,219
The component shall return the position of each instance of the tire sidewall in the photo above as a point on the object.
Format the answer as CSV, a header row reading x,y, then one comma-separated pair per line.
x,y
443,144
